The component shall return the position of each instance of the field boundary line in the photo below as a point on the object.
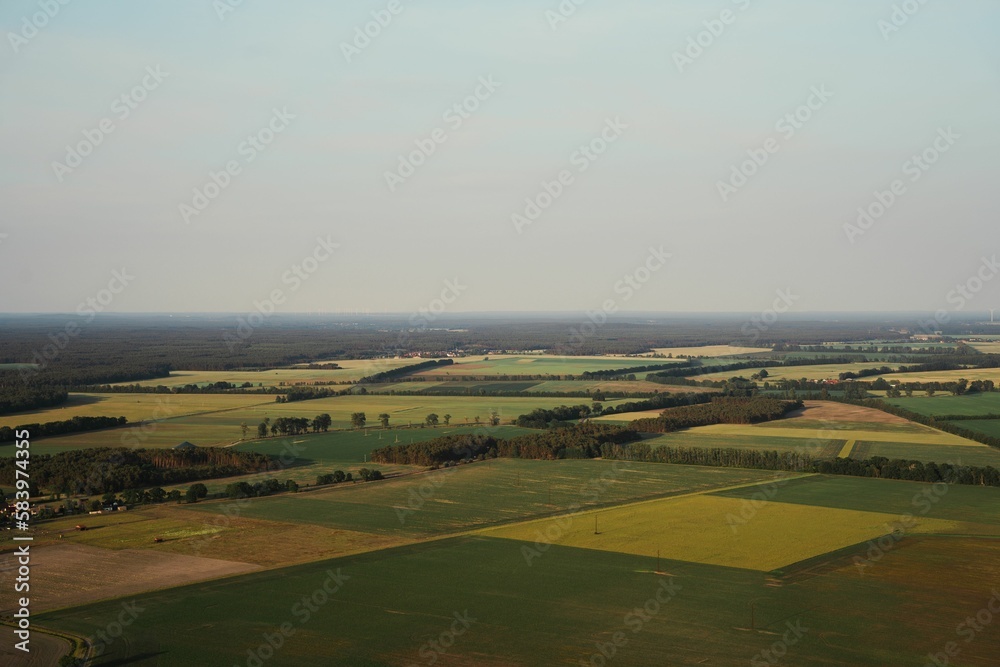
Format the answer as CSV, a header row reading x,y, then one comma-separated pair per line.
x,y
845,451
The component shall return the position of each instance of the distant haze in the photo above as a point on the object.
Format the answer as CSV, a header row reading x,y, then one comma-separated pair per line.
x,y
175,157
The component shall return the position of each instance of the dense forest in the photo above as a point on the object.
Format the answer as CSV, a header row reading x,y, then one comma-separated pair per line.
x,y
105,469
581,441
722,410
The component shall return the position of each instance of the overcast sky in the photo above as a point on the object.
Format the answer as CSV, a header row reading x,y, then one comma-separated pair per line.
x,y
676,121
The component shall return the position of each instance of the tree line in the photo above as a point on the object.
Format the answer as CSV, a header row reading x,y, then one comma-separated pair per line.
x,y
54,428
579,441
115,469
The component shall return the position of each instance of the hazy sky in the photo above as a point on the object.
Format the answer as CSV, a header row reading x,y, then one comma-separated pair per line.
x,y
198,81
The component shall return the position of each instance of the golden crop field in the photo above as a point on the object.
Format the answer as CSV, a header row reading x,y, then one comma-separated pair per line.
x,y
136,407
816,372
948,376
930,437
716,530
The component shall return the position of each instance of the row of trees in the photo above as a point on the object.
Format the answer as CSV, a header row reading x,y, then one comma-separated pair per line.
x,y
51,429
579,441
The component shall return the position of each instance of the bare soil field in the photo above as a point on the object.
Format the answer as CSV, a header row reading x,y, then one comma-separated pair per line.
x,y
67,575
833,411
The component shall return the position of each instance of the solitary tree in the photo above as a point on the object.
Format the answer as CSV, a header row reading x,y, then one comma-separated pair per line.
x,y
384,419
262,430
358,420
432,419
245,429
447,419
196,492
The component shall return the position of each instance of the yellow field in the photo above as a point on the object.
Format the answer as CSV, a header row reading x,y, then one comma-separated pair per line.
x,y
991,347
712,530
136,407
969,374
931,437
350,371
709,350
817,372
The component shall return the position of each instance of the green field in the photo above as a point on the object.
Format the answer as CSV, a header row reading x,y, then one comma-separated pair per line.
x,y
216,428
136,407
484,494
971,504
987,426
974,456
967,405
558,610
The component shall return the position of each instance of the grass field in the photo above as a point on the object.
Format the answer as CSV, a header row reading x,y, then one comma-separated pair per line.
x,y
223,428
967,405
559,608
483,494
136,407
987,426
710,530
974,456
947,376
813,372
970,504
